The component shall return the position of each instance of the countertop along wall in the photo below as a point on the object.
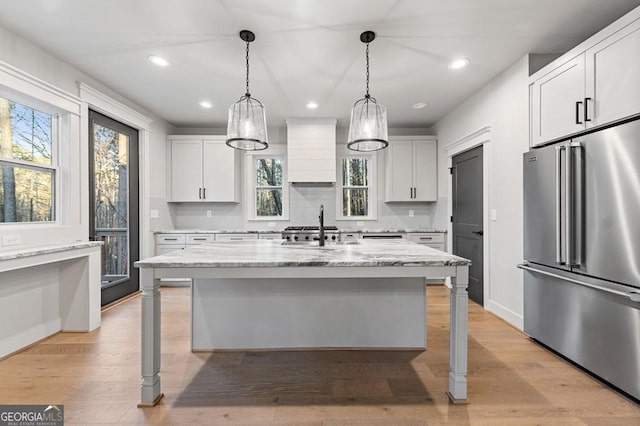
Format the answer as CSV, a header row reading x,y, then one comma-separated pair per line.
x,y
304,200
501,105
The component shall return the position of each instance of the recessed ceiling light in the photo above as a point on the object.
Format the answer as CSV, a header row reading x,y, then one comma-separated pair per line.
x,y
206,104
419,105
312,105
459,63
159,61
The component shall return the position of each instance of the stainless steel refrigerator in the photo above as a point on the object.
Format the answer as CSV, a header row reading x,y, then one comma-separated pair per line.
x,y
582,251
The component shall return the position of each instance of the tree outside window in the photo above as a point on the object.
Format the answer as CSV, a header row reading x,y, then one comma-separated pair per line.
x,y
268,187
355,186
27,178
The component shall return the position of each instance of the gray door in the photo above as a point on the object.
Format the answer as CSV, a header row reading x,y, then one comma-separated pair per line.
x,y
609,160
467,216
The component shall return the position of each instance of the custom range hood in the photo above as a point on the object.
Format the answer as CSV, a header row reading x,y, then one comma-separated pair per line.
x,y
311,151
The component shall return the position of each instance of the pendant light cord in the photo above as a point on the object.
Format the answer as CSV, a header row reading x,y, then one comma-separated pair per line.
x,y
247,93
367,54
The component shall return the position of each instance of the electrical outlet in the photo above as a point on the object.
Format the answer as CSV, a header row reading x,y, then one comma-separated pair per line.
x,y
410,213
359,223
494,215
272,224
209,213
11,240
154,214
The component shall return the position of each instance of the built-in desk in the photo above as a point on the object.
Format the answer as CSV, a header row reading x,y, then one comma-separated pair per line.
x,y
47,289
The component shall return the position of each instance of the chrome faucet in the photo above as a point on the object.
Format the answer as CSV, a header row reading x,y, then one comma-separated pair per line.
x,y
321,217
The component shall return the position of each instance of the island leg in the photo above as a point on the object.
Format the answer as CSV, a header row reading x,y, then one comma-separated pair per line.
x,y
458,336
150,392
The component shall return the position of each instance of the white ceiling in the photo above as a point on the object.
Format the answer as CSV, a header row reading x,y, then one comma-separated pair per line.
x,y
304,49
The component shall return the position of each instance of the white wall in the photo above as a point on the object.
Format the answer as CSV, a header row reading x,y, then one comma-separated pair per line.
x,y
503,105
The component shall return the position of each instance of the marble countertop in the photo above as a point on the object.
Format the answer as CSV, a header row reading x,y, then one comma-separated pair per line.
x,y
40,250
278,231
271,253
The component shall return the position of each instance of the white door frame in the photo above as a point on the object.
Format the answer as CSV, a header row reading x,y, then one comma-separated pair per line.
x,y
102,103
480,137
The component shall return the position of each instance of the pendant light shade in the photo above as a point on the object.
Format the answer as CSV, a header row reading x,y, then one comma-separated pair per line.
x,y
247,124
368,130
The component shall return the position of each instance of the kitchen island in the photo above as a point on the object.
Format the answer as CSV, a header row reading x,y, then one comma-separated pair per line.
x,y
325,297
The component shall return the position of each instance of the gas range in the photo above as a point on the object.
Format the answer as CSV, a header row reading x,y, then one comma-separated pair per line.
x,y
307,234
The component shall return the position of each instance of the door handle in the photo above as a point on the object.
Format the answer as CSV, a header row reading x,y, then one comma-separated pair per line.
x,y
477,232
200,193
586,109
558,202
578,103
568,218
204,193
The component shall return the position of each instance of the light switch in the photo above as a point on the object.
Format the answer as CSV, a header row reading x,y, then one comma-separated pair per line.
x,y
410,213
209,213
154,214
359,223
494,215
272,224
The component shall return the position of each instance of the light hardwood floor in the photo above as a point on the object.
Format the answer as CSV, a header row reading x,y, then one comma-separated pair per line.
x,y
511,380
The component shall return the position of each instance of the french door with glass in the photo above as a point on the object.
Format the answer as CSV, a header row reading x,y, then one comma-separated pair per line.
x,y
113,186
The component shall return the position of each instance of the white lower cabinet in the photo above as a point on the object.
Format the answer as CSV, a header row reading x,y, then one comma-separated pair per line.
x,y
430,239
236,237
270,236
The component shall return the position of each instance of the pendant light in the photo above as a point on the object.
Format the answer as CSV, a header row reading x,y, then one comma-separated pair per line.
x,y
368,127
247,125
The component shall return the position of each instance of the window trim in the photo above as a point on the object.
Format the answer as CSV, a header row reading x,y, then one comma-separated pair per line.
x,y
251,186
372,187
56,136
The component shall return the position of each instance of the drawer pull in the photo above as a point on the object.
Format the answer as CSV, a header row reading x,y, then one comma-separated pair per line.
x,y
170,239
426,238
199,239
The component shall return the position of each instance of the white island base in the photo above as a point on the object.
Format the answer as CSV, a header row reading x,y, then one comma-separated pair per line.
x,y
369,295
291,313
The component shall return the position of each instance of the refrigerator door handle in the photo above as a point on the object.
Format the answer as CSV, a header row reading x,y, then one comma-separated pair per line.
x,y
632,295
558,203
577,191
568,206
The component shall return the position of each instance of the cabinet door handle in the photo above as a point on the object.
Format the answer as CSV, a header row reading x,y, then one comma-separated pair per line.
x,y
204,193
200,193
586,109
410,192
578,103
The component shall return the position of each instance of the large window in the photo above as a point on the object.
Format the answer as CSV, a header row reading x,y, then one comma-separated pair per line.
x,y
268,188
356,190
28,163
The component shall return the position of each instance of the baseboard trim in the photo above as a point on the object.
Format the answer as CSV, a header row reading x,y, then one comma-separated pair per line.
x,y
24,339
505,314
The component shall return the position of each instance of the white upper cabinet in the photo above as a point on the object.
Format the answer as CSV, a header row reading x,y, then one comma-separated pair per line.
x,y
411,169
594,84
613,76
202,169
311,150
558,102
